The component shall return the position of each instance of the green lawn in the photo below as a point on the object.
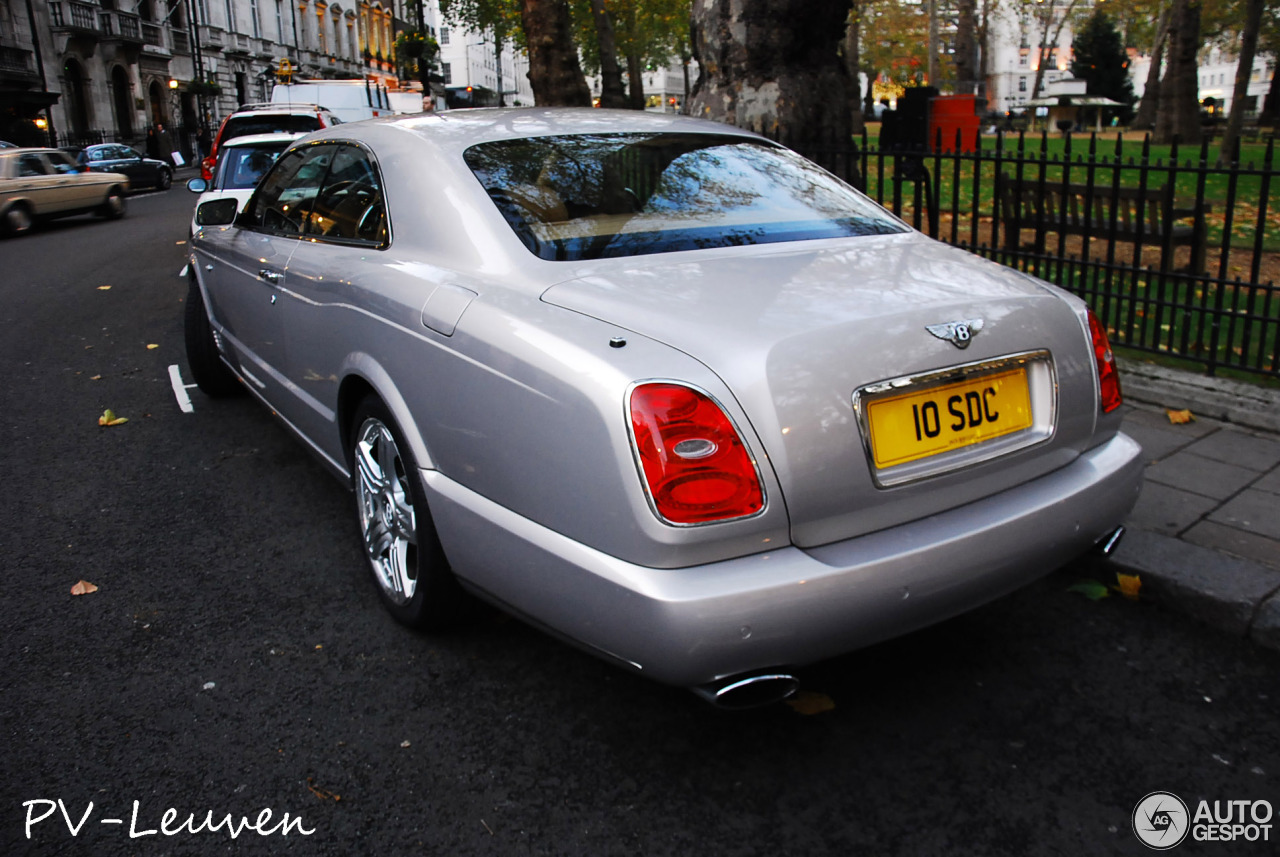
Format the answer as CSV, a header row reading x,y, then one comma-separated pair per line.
x,y
954,178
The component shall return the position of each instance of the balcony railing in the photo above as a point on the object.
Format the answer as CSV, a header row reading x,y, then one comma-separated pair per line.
x,y
69,14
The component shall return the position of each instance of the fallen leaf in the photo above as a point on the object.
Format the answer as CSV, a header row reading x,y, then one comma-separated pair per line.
x,y
103,288
323,794
96,378
84,587
1130,584
1091,589
152,346
809,702
404,743
1180,417
109,418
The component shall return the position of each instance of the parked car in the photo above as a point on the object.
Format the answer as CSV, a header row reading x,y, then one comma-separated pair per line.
x,y
267,117
660,386
242,161
41,184
118,158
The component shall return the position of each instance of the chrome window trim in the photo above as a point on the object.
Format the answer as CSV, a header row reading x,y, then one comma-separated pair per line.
x,y
1042,384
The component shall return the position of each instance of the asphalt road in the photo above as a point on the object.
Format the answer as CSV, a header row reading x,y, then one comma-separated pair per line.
x,y
235,659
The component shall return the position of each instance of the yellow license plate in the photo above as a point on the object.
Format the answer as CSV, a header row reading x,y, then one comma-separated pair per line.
x,y
911,426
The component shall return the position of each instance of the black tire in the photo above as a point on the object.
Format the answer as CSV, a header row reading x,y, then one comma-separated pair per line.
x,y
113,207
18,219
203,359
405,558
165,179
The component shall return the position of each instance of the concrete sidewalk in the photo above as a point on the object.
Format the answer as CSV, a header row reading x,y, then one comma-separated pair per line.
x,y
1205,535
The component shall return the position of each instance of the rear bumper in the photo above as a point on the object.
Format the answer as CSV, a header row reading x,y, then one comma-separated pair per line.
x,y
788,606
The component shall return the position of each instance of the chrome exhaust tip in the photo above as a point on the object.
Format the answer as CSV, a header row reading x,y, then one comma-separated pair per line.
x,y
1107,545
738,693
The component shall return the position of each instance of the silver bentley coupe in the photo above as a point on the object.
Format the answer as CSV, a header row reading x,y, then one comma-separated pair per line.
x,y
658,386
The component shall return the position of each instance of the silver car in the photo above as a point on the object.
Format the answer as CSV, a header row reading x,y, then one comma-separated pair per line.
x,y
659,386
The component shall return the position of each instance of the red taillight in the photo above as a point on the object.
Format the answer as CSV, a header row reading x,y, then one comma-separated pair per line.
x,y
1108,374
697,468
206,167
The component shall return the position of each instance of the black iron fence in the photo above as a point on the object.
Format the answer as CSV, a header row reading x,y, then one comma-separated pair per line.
x,y
1176,251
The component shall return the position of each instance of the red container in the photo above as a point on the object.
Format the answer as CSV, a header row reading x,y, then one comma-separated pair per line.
x,y
951,113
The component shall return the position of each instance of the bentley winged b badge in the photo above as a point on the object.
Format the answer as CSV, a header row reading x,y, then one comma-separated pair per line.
x,y
958,333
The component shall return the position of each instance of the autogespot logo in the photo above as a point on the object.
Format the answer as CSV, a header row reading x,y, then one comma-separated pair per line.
x,y
1160,820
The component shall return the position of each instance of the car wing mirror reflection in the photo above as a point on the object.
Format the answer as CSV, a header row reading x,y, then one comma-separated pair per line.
x,y
216,212
197,185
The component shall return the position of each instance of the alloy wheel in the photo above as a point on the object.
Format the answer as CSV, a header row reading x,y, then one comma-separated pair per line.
x,y
387,521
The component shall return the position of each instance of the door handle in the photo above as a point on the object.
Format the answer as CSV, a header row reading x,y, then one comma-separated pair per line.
x,y
272,277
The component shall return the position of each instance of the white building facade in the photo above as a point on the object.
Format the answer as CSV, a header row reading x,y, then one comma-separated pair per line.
x,y
495,73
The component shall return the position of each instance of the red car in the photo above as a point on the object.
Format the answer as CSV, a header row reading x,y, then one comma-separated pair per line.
x,y
267,118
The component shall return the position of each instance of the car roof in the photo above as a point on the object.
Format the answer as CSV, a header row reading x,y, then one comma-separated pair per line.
x,y
278,107
283,137
460,129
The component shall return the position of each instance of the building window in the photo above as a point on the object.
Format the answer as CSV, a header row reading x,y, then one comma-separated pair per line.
x,y
446,70
253,19
1022,84
280,21
444,35
231,17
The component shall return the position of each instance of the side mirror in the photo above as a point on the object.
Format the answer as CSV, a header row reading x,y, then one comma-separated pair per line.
x,y
197,185
216,212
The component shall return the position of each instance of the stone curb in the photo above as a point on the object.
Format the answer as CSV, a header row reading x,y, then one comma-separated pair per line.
x,y
1220,398
1232,595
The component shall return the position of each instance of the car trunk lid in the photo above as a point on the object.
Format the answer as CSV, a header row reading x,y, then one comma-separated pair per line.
x,y
807,337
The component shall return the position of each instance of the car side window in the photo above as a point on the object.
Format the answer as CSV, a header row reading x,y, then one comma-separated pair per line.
x,y
32,165
283,201
350,207
63,163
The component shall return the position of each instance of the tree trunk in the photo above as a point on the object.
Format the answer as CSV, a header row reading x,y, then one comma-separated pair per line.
x,y
1271,106
1248,49
773,67
1145,119
1179,113
554,72
852,61
965,55
635,81
984,52
611,92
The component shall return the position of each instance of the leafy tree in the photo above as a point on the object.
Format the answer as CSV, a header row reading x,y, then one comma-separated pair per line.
x,y
895,43
1099,59
544,28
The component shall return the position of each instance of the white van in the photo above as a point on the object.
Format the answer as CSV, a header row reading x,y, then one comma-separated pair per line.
x,y
349,100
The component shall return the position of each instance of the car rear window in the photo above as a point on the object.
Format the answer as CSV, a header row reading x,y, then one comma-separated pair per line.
x,y
270,123
596,196
240,167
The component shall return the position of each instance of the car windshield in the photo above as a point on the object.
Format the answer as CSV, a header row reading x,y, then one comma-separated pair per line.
x,y
241,166
270,123
604,195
